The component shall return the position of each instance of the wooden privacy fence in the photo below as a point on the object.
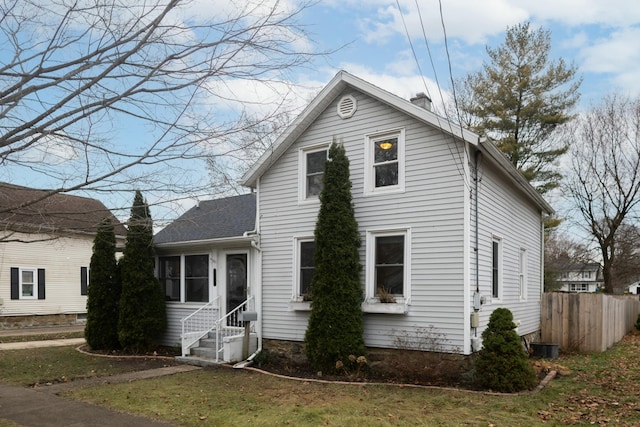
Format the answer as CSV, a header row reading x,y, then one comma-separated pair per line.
x,y
586,322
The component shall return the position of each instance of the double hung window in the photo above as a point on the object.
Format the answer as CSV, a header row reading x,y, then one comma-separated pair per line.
x,y
384,164
388,266
311,172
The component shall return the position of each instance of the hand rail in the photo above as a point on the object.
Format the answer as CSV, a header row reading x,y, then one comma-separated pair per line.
x,y
229,325
199,323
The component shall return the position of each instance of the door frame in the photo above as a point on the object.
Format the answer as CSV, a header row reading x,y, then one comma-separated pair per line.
x,y
222,274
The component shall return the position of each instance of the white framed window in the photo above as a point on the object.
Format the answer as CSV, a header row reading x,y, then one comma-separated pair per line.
x,y
170,277
586,275
578,287
496,268
185,278
311,170
384,162
28,283
388,263
196,278
304,249
522,273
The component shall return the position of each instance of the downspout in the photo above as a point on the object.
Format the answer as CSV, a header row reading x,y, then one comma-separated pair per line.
x,y
477,298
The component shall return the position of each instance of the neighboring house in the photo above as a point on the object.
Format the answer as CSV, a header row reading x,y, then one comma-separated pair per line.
x,y
45,252
581,277
633,288
448,226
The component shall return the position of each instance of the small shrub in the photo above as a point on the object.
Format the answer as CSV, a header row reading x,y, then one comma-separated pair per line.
x,y
502,364
352,367
264,357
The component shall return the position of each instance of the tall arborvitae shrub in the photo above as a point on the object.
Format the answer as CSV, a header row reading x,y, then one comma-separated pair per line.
x,y
502,364
103,294
335,328
142,307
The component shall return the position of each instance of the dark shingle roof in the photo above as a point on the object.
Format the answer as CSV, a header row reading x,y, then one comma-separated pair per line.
x,y
212,219
52,212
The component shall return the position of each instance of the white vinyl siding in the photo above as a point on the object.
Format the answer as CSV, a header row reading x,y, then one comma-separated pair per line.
x,y
61,258
432,206
504,211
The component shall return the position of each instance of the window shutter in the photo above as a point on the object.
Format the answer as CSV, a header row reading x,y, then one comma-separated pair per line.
x,y
15,283
83,280
41,283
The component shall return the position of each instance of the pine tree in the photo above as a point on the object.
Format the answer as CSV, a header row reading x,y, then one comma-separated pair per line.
x,y
518,99
103,294
142,307
335,327
502,364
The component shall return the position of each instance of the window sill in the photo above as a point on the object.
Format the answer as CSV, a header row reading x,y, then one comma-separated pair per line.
x,y
299,305
385,307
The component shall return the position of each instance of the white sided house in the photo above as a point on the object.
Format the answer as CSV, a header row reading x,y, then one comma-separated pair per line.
x,y
46,245
208,266
449,227
450,230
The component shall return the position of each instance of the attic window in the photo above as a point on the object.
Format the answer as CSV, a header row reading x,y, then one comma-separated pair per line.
x,y
347,107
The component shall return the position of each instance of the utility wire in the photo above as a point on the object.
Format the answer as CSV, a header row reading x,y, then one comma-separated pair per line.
x,y
457,159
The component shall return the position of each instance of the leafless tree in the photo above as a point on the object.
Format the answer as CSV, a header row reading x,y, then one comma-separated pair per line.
x,y
604,183
117,95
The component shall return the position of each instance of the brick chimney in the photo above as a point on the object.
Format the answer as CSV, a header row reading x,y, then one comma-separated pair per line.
x,y
422,100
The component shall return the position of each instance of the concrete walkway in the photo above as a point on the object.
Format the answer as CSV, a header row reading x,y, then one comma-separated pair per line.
x,y
42,407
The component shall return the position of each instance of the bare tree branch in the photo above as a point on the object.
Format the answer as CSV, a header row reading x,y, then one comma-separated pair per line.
x,y
604,183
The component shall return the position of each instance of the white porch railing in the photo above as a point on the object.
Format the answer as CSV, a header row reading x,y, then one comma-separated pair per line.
x,y
199,323
230,325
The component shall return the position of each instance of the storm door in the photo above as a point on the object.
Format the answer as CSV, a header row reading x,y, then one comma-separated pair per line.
x,y
236,280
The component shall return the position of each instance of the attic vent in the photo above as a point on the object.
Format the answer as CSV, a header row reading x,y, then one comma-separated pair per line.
x,y
347,107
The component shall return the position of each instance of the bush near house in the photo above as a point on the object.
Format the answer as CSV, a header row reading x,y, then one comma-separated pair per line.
x,y
502,364
335,328
142,308
103,293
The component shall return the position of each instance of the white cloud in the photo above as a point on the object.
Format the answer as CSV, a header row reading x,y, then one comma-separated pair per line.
x,y
617,55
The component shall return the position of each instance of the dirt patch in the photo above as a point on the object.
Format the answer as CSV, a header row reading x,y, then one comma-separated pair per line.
x,y
382,366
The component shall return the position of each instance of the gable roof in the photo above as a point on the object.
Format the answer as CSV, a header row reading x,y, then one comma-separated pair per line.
x,y
343,80
212,219
33,211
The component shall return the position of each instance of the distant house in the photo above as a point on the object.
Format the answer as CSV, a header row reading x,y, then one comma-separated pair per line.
x,y
46,245
581,277
633,288
449,228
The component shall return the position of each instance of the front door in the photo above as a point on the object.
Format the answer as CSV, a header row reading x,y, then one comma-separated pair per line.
x,y
236,280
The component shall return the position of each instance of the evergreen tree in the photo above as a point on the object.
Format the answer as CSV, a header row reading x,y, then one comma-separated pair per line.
x,y
142,307
518,99
103,294
502,364
335,327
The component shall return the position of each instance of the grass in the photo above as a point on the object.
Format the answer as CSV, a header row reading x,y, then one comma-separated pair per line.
x,y
59,364
602,389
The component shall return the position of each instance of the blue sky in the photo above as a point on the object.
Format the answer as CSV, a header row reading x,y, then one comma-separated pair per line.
x,y
599,37
370,40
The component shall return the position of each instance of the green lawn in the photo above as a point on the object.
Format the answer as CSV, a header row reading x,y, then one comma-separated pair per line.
x,y
602,389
